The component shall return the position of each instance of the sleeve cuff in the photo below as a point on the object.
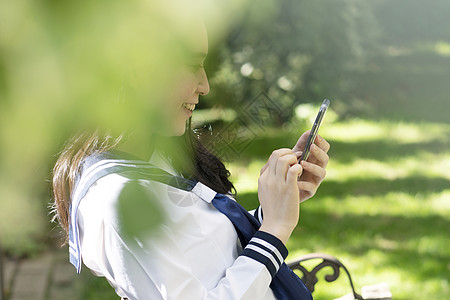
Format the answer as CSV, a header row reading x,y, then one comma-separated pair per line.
x,y
268,250
259,214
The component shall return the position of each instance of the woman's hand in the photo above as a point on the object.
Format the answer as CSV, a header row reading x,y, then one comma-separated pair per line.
x,y
314,168
278,193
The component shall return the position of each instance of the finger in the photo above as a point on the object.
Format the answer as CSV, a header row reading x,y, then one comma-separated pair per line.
x,y
273,159
301,143
322,143
284,163
264,168
318,156
305,195
293,173
307,187
315,170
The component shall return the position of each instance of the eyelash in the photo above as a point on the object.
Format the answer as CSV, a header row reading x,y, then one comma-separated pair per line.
x,y
197,67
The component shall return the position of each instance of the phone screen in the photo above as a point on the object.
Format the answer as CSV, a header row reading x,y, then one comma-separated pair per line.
x,y
314,130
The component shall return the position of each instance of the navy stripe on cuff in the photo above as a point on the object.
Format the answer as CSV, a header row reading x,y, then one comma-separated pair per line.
x,y
268,250
259,214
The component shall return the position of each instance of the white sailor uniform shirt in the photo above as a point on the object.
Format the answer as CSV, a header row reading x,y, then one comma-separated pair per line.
x,y
194,254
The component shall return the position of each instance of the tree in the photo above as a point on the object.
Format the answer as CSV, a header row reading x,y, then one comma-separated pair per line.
x,y
294,52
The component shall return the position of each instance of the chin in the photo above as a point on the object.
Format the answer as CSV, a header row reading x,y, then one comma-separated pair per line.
x,y
174,131
179,130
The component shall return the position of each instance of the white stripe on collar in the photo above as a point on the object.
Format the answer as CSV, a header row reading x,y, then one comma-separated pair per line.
x,y
204,192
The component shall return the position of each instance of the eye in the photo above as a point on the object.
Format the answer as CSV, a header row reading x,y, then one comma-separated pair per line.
x,y
196,67
196,61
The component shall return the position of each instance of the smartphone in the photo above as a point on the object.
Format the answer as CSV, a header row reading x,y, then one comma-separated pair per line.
x,y
314,130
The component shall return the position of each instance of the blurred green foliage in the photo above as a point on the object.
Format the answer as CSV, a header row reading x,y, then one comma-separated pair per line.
x,y
371,58
139,211
71,65
301,51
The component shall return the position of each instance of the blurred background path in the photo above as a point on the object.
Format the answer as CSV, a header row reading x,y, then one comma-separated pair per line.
x,y
46,276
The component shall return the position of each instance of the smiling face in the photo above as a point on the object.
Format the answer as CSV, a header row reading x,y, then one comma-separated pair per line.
x,y
191,82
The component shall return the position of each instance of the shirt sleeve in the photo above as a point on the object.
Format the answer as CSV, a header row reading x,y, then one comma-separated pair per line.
x,y
160,271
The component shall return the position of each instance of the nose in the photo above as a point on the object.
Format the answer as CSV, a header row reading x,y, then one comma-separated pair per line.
x,y
203,84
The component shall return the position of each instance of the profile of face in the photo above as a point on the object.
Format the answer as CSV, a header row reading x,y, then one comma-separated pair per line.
x,y
190,82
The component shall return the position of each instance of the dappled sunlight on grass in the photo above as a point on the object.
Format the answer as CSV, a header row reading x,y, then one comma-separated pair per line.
x,y
245,178
372,136
406,251
308,112
393,203
358,130
424,164
437,164
204,116
440,202
383,209
442,48
374,267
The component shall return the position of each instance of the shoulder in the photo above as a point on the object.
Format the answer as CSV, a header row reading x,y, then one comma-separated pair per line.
x,y
103,177
102,197
118,205
107,193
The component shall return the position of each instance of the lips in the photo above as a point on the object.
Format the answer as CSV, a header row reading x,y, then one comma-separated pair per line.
x,y
189,106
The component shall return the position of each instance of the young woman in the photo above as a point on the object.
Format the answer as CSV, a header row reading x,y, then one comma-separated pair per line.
x,y
197,249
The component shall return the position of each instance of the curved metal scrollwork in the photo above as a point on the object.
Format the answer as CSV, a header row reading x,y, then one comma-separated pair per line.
x,y
310,277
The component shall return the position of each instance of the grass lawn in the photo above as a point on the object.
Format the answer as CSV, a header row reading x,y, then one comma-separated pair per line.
x,y
383,209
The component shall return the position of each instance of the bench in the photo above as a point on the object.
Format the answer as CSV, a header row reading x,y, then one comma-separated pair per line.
x,y
373,292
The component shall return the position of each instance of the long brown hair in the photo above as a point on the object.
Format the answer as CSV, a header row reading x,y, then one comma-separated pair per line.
x,y
200,164
67,166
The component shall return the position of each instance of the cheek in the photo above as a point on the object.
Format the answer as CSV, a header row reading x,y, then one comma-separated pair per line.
x,y
185,89
182,90
184,83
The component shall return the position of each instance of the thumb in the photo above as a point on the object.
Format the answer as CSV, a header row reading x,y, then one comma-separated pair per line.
x,y
293,173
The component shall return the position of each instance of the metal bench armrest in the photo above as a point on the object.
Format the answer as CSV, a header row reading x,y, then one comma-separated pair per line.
x,y
310,277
